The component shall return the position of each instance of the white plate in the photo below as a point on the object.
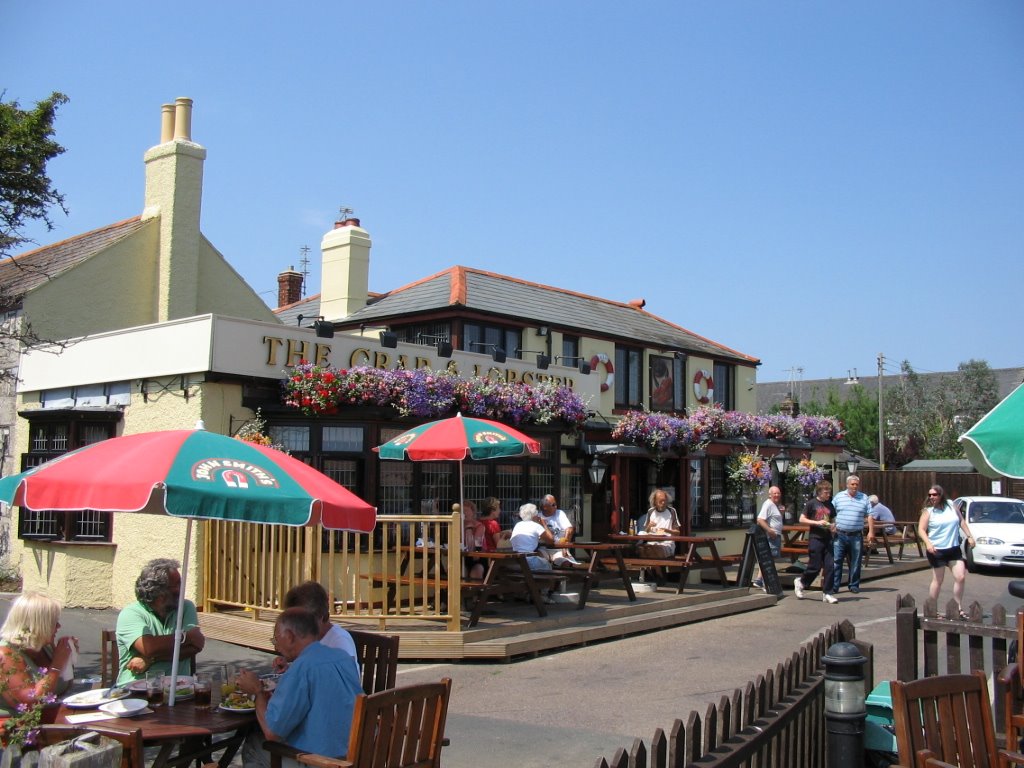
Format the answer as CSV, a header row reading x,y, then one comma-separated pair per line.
x,y
93,699
240,710
114,708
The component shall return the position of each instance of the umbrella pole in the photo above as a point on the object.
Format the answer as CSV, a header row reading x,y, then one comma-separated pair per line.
x,y
462,509
175,658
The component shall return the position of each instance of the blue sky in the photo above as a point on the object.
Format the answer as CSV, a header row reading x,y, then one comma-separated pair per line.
x,y
809,183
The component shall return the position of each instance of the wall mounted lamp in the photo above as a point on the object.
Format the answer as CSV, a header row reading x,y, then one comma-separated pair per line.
x,y
782,461
584,366
542,330
389,339
596,471
496,352
851,462
543,359
321,327
444,347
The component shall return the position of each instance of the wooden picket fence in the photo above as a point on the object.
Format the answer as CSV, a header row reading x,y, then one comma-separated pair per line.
x,y
929,643
777,719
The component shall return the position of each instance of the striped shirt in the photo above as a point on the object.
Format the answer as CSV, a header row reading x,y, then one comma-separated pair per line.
x,y
851,511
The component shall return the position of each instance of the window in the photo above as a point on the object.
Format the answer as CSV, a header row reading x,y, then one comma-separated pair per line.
x,y
88,395
628,377
53,434
478,337
571,347
724,386
425,333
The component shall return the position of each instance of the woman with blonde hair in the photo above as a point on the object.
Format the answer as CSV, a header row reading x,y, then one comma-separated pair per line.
x,y
31,658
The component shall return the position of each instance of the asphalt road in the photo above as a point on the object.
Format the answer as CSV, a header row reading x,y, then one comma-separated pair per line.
x,y
570,708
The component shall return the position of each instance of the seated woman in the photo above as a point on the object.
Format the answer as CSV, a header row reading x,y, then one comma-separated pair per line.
x,y
31,659
529,534
662,520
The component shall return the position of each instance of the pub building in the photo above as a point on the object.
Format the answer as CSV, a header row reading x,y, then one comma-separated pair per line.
x,y
189,340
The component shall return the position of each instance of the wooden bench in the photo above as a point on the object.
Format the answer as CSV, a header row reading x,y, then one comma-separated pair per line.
x,y
663,565
549,580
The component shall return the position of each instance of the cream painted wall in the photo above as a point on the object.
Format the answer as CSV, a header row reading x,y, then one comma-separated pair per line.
x,y
222,290
103,576
77,303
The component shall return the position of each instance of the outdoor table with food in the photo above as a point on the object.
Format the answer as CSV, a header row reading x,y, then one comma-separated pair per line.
x,y
185,732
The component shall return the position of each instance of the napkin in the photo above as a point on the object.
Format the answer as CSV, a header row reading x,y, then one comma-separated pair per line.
x,y
68,673
88,717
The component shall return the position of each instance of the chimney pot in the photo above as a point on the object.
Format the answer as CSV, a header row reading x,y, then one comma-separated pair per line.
x,y
166,123
352,221
638,303
183,118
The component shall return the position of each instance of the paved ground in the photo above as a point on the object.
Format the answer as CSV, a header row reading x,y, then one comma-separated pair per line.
x,y
569,708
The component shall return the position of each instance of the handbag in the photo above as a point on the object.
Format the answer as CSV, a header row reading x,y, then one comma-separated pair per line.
x,y
90,750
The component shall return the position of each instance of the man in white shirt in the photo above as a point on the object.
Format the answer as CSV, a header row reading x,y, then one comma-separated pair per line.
x,y
770,520
556,520
311,596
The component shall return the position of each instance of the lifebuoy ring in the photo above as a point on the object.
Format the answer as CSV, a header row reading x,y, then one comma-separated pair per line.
x,y
703,387
609,380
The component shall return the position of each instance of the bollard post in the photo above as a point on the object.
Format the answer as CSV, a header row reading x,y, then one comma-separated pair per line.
x,y
845,707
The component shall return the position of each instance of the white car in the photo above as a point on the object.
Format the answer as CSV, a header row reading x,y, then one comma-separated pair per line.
x,y
997,525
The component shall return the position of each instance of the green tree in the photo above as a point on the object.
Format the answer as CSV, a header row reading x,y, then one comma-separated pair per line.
x,y
26,146
859,414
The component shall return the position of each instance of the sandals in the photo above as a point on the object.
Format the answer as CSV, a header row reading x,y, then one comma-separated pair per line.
x,y
963,616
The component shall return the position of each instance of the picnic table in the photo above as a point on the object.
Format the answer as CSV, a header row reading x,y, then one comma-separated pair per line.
x,y
689,560
506,573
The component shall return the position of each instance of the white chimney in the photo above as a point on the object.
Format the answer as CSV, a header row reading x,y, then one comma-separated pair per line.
x,y
345,270
174,191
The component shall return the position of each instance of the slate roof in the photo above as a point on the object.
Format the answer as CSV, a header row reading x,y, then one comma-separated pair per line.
x,y
26,271
502,296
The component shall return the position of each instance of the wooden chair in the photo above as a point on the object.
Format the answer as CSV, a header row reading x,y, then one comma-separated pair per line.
x,y
132,755
947,720
110,659
395,728
378,659
1010,678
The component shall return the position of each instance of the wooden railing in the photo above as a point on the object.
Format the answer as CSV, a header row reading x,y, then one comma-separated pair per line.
x,y
928,644
251,566
778,719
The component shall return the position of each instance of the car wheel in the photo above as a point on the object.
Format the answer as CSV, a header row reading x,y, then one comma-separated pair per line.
x,y
972,567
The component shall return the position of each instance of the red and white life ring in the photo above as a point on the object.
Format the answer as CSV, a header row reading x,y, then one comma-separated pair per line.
x,y
609,369
703,387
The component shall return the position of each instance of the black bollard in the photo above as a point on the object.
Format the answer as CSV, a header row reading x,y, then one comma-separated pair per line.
x,y
845,707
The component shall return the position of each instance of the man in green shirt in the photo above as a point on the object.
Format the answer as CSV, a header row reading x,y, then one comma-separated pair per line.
x,y
145,629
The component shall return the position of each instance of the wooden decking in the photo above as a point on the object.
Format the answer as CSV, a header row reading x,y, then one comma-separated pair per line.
x,y
511,630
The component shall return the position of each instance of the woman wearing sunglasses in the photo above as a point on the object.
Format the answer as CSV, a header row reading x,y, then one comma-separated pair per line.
x,y
942,529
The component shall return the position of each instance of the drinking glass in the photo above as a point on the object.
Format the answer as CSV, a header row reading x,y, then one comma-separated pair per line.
x,y
204,690
154,689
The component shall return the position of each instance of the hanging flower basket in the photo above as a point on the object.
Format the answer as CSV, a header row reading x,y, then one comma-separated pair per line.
x,y
748,472
323,390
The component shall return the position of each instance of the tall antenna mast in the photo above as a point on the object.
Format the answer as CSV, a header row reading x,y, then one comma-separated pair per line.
x,y
304,261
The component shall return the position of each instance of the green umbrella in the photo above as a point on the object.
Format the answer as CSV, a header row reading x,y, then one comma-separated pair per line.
x,y
995,445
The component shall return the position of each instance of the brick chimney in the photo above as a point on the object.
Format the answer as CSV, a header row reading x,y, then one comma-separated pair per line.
x,y
289,287
345,269
174,192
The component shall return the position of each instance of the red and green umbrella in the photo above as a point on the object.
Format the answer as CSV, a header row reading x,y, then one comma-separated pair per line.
x,y
457,439
193,474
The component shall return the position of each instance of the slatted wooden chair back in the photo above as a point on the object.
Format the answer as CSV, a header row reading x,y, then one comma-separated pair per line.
x,y
109,658
378,658
394,728
946,718
132,755
400,727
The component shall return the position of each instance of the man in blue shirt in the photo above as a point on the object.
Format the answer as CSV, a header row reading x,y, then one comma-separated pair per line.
x,y
852,510
311,708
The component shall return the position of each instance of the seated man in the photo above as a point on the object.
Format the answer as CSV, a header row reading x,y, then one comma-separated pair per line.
x,y
529,534
882,514
311,707
145,629
313,597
